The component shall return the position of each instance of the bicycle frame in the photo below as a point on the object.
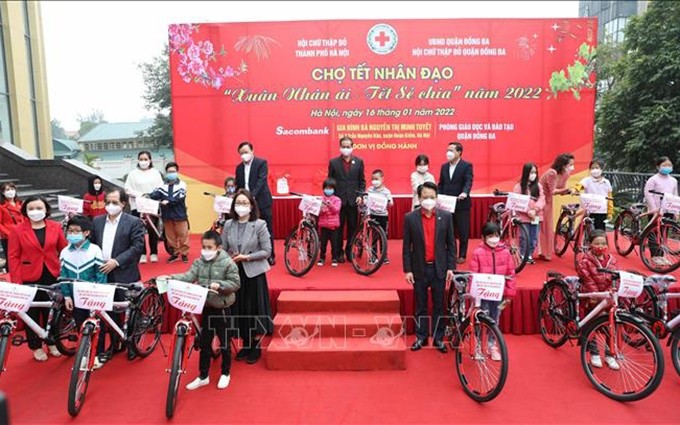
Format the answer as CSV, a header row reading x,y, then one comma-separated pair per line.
x,y
189,322
97,315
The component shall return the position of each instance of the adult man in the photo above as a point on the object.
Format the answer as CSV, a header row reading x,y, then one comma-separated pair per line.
x,y
121,238
252,175
348,172
429,254
455,179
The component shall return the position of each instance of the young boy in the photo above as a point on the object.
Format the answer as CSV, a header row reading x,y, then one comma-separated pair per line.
x,y
378,186
174,212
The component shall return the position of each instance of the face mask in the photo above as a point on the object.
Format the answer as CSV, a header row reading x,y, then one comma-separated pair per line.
x,y
36,215
246,157
428,204
231,189
242,210
600,251
665,170
10,194
171,177
144,164
208,254
75,238
422,169
376,183
450,155
113,209
328,192
97,187
596,172
532,177
493,241
346,151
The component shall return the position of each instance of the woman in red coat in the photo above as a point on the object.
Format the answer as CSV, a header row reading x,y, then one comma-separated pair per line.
x,y
10,215
95,198
34,248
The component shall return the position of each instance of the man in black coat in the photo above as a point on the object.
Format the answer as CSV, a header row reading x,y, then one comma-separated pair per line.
x,y
429,254
252,174
455,179
348,172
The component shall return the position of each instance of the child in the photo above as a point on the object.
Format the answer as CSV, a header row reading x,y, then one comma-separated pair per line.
x,y
596,184
95,198
217,271
10,215
528,185
592,280
174,212
229,186
81,260
378,186
329,222
492,257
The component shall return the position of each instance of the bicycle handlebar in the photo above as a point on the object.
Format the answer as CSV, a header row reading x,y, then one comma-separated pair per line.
x,y
209,194
467,274
614,273
131,285
657,192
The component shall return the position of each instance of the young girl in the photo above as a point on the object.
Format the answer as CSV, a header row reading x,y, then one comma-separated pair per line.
x,y
494,258
229,186
329,222
95,198
592,280
528,185
420,176
10,215
662,182
596,184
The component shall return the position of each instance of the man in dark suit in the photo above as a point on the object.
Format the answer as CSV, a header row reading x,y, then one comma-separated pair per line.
x,y
348,172
455,179
429,255
252,175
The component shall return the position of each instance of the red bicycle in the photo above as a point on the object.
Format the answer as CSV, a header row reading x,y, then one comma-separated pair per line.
x,y
513,233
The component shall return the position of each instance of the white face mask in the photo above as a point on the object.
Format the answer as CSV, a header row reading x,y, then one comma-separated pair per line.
x,y
346,151
208,254
596,172
450,155
493,241
97,187
376,183
10,194
246,157
36,215
113,209
242,210
428,203
532,177
422,169
144,164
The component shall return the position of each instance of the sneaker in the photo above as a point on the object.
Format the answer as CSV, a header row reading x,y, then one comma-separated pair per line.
x,y
197,383
173,258
596,360
154,258
611,363
53,351
185,259
320,262
531,261
334,263
661,261
386,261
98,364
495,354
39,355
142,259
223,382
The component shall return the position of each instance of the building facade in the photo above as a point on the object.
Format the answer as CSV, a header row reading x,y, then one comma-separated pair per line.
x,y
24,105
612,16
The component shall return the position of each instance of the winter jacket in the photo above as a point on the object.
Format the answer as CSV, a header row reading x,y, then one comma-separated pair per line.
x,y
221,269
175,193
329,217
536,205
10,217
94,205
591,279
495,261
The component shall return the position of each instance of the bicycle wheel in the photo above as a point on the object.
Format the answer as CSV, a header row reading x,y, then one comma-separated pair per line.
x,y
644,307
175,374
563,234
640,367
581,245
625,230
146,322
4,345
369,249
660,251
65,332
481,377
675,354
81,371
516,238
301,249
555,310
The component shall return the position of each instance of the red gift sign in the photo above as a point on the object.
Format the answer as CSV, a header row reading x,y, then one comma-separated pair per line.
x,y
186,297
93,296
487,287
630,285
16,298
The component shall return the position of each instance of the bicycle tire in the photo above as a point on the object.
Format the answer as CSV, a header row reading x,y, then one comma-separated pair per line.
x,y
373,264
4,347
675,353
466,379
175,375
146,319
563,228
63,327
644,307
645,249
548,307
581,244
76,392
520,258
306,242
621,233
606,389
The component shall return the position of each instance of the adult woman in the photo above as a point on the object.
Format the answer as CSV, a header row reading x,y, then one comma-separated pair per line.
x,y
246,239
662,182
34,248
10,215
420,176
553,182
95,198
528,185
142,180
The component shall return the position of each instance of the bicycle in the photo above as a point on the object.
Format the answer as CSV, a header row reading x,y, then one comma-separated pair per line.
x,y
513,233
661,235
218,223
470,329
154,223
565,233
617,333
369,242
301,246
60,330
144,309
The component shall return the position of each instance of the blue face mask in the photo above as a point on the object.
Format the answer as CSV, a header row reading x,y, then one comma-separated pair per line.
x,y
231,189
171,177
328,192
665,170
75,238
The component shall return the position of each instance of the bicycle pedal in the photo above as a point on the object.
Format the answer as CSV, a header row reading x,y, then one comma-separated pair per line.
x,y
18,340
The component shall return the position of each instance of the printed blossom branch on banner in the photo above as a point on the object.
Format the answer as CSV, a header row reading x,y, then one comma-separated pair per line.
x,y
578,75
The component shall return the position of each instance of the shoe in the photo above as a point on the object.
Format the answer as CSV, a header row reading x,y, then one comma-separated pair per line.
x,y
98,364
185,259
334,263
173,258
131,355
53,351
223,382
341,259
39,355
441,347
596,360
242,354
495,354
320,262
612,363
386,261
142,259
197,383
460,260
531,261
254,355
154,258
418,344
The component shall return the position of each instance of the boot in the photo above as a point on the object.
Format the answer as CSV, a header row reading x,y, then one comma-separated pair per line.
x,y
254,354
244,352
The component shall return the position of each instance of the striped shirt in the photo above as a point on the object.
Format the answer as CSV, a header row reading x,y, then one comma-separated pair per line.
x,y
81,263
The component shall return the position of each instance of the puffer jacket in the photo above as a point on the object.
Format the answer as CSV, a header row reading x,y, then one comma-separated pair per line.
x,y
223,270
329,217
495,261
591,279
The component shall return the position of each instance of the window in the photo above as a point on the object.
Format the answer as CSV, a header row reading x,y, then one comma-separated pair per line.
x,y
614,30
31,76
5,117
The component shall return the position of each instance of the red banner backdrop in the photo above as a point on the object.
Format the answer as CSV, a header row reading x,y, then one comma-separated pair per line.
x,y
511,91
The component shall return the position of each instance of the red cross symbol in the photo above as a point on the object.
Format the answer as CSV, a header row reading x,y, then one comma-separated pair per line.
x,y
382,38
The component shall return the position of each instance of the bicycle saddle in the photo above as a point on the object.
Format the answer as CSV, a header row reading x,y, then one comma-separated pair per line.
x,y
498,207
573,282
660,282
554,275
571,207
638,208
